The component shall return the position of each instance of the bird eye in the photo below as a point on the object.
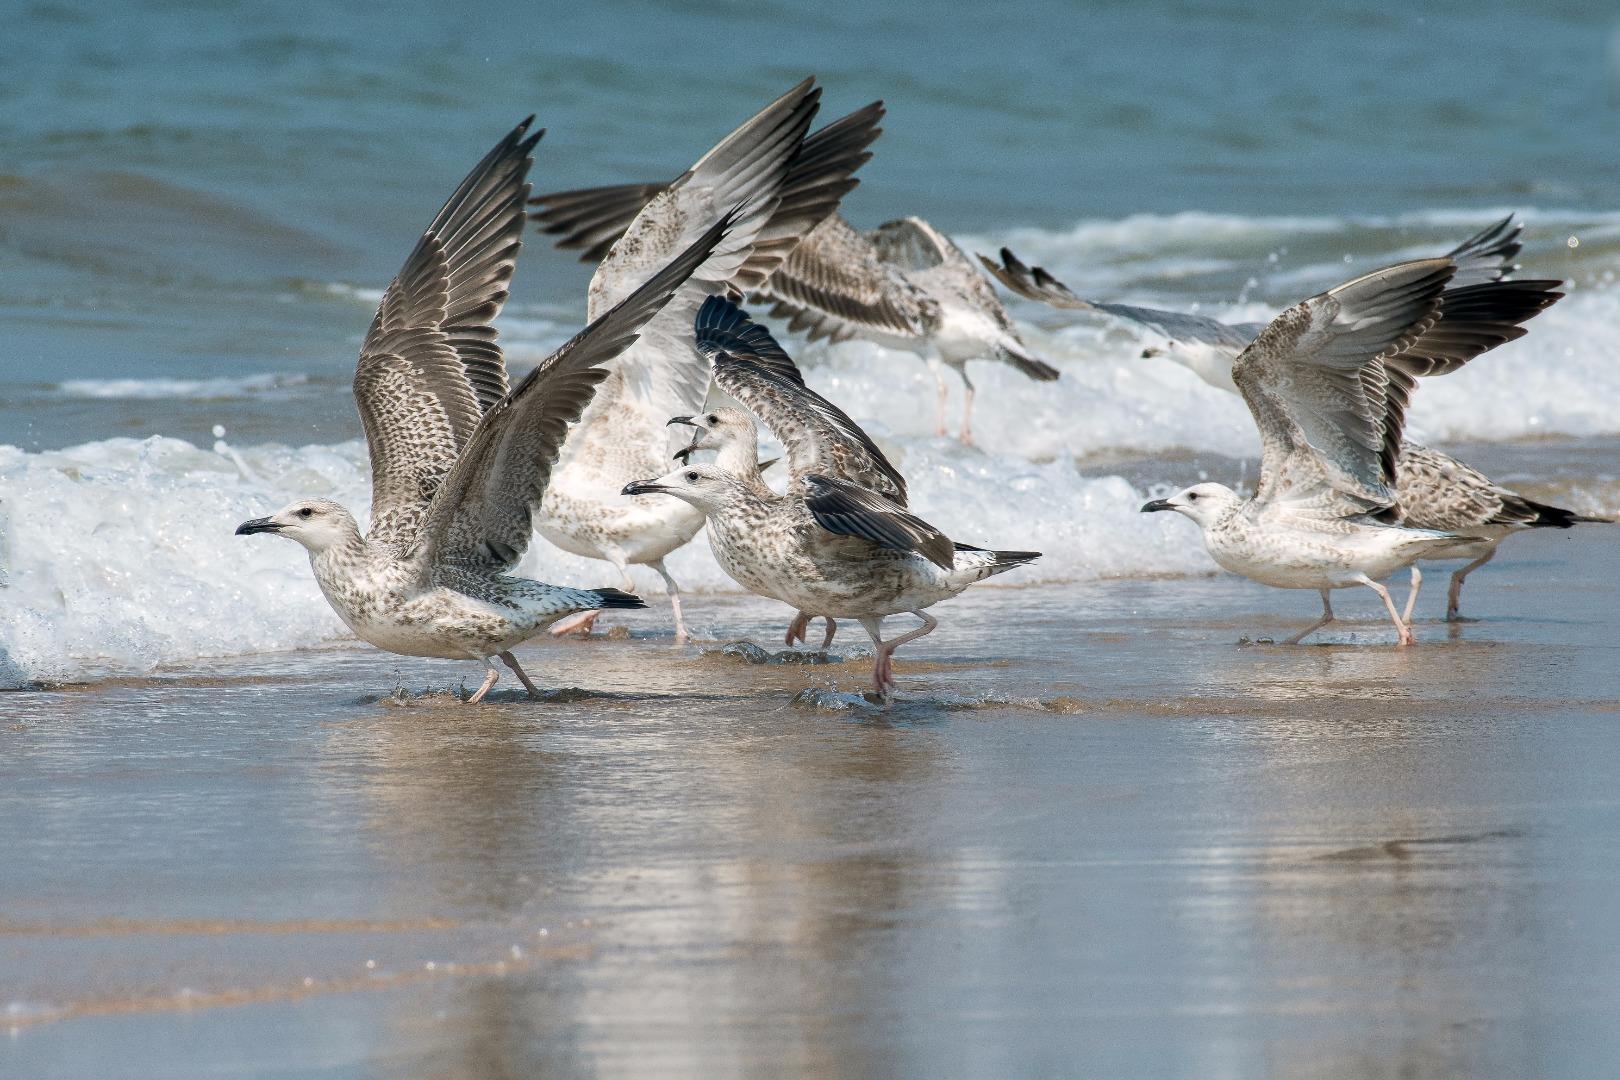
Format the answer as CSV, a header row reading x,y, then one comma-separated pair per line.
x,y
1191,495
305,512
691,477
713,419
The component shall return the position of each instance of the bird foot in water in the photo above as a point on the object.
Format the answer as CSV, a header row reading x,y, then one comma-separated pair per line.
x,y
579,623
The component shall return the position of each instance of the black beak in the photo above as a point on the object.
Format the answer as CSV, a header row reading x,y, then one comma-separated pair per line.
x,y
1156,505
641,487
257,525
684,454
686,420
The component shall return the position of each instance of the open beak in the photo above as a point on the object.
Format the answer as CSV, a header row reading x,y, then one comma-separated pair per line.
x,y
1156,505
642,487
258,525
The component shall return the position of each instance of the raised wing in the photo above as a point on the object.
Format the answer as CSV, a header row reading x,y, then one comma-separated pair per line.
x,y
1313,381
481,515
852,510
796,183
1487,255
818,436
1034,283
430,364
835,286
912,244
591,220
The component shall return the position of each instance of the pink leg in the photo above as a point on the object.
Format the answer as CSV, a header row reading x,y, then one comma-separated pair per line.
x,y
1454,596
511,662
1327,617
580,622
681,637
944,391
967,408
1403,632
801,624
796,628
1411,597
883,664
832,628
489,681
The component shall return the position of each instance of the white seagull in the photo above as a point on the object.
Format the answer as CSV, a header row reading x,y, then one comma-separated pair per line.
x,y
458,461
1434,489
905,284
833,544
1327,382
790,184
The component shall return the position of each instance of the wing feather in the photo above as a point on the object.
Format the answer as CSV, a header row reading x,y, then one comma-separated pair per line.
x,y
819,436
482,514
430,364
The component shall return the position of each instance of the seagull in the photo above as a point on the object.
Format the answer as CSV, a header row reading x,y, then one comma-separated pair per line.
x,y
793,183
459,461
1327,382
1435,490
905,284
833,544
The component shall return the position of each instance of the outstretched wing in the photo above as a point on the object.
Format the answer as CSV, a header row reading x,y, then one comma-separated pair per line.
x,y
591,220
662,373
481,516
1487,255
1313,382
430,364
852,510
818,436
1034,283
836,286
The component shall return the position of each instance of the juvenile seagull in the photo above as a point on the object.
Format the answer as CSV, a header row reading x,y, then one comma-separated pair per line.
x,y
833,544
459,461
791,183
905,284
1434,489
1327,382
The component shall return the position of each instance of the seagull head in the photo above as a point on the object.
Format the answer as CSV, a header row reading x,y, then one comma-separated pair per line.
x,y
719,430
1201,502
706,487
318,524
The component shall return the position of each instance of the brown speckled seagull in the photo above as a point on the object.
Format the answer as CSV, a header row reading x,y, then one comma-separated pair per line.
x,y
459,462
1434,489
833,544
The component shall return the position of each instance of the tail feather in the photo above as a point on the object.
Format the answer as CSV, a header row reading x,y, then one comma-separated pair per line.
x,y
1542,516
616,598
1033,366
977,563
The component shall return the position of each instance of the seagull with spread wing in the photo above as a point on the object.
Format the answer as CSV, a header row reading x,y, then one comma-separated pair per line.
x,y
790,184
1328,382
460,461
1434,489
834,544
904,285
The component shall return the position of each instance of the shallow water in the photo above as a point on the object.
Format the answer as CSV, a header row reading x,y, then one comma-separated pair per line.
x,y
1093,834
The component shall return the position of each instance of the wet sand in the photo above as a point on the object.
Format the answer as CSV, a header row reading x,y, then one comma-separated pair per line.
x,y
1095,836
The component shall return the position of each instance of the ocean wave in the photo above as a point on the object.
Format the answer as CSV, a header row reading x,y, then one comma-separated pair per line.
x,y
222,389
119,555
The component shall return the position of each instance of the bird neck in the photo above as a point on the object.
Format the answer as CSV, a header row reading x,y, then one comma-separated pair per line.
x,y
739,456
